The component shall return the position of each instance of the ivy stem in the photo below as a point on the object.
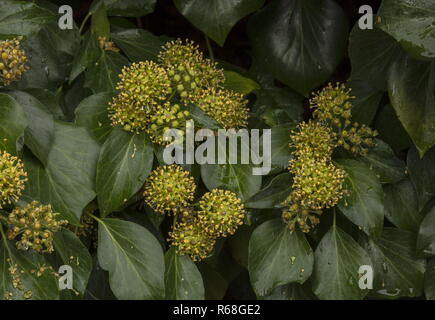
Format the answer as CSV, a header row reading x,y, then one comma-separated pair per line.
x,y
84,22
95,218
210,50
334,219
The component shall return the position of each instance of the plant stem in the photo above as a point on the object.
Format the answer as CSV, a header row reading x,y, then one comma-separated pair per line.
x,y
84,22
210,50
95,218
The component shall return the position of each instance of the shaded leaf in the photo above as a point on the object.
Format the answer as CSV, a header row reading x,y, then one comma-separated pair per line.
x,y
426,235
12,123
273,194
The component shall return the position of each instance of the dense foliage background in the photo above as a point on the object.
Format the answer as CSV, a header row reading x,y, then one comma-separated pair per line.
x,y
277,53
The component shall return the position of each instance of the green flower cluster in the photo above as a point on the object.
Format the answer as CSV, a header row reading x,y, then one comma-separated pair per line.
x,y
13,60
35,224
332,106
317,183
154,97
12,178
171,189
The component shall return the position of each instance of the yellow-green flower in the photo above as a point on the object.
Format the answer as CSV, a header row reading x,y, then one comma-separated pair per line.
x,y
12,178
187,68
220,212
169,188
190,239
129,114
228,108
296,216
12,60
313,140
168,116
35,224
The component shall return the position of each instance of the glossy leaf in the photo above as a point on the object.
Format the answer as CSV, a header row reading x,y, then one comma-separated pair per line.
x,y
337,260
429,281
125,161
133,258
183,281
364,203
272,194
426,235
12,123
410,23
220,17
300,42
278,256
238,83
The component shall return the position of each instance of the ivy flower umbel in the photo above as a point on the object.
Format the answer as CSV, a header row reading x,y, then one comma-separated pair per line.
x,y
332,106
220,213
144,86
12,60
191,239
168,116
169,188
188,69
12,178
227,107
35,224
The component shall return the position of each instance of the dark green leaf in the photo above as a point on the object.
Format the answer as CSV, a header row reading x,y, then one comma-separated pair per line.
x,y
411,23
397,271
411,87
67,181
426,235
134,259
384,163
183,280
281,152
88,55
12,123
216,17
92,114
273,194
422,173
367,101
364,204
22,18
73,253
138,44
125,161
278,256
337,261
238,83
103,74
401,205
292,291
43,287
39,134
100,23
129,8
300,42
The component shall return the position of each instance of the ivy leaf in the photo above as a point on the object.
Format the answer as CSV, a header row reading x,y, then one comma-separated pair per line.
x,y
401,205
13,122
300,42
127,8
238,83
429,281
22,18
281,152
39,133
397,271
221,15
426,235
73,253
384,163
103,75
278,256
292,291
183,281
68,178
125,161
367,66
100,23
139,44
410,23
133,258
367,101
337,260
88,55
273,194
43,287
411,87
422,174
364,204
92,114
